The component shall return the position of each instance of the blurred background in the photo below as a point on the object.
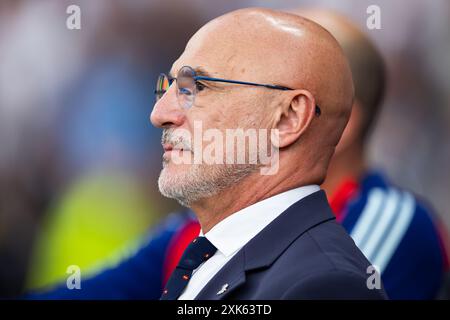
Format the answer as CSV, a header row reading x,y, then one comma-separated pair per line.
x,y
79,159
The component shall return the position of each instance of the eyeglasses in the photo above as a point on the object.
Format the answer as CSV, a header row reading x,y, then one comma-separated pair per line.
x,y
189,83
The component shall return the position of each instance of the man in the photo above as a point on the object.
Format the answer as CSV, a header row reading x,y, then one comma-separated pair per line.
x,y
395,230
406,241
263,236
412,270
243,213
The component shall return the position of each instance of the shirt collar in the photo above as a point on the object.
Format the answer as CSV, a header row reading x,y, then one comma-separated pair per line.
x,y
232,233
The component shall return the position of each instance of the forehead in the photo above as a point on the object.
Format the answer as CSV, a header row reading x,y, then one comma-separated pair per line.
x,y
234,51
221,50
207,59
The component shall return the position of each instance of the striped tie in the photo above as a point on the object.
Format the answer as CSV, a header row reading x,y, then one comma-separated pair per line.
x,y
198,251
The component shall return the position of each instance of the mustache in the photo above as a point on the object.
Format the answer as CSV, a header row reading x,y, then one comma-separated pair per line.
x,y
176,139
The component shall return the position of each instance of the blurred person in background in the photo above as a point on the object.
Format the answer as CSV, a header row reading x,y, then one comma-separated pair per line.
x,y
396,230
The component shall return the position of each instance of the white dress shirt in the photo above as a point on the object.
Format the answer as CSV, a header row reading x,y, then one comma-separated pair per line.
x,y
233,233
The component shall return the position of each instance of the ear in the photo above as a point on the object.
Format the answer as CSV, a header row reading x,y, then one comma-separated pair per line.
x,y
295,117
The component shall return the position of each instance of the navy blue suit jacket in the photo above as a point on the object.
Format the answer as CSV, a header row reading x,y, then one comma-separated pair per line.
x,y
302,254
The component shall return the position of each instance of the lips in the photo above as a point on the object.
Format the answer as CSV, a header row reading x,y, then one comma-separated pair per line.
x,y
169,147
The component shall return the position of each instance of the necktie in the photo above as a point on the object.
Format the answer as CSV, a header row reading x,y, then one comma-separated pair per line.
x,y
197,252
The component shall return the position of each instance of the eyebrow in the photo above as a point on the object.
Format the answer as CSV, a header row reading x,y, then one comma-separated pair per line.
x,y
200,71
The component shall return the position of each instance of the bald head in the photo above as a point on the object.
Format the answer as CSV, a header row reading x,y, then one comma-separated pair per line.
x,y
365,61
269,46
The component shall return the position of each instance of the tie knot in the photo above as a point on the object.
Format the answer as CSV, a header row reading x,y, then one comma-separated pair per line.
x,y
197,252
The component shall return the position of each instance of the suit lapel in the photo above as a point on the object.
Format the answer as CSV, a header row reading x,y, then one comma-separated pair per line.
x,y
268,245
228,279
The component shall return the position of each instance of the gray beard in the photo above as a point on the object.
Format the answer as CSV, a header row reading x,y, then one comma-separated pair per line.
x,y
202,181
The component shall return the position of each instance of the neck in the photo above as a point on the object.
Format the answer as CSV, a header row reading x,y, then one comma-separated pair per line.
x,y
346,164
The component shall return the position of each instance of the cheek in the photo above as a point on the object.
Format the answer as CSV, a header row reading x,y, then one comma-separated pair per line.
x,y
196,116
236,108
212,117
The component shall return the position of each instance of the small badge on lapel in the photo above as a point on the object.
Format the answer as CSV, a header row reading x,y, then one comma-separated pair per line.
x,y
224,288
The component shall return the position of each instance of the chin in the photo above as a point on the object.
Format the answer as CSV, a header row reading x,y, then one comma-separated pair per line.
x,y
174,183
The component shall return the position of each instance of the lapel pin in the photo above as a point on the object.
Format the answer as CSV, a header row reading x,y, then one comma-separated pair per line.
x,y
224,288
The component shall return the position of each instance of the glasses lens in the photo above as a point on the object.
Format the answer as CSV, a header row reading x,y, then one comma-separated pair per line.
x,y
162,85
186,87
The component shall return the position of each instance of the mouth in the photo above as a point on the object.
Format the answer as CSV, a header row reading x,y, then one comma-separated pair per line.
x,y
169,148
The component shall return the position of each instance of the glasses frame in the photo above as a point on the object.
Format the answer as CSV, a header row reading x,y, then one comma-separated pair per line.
x,y
197,78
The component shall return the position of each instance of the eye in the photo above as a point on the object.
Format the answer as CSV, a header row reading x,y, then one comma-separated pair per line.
x,y
185,91
200,86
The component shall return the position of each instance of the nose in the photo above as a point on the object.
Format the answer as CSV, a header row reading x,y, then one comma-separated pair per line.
x,y
166,112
